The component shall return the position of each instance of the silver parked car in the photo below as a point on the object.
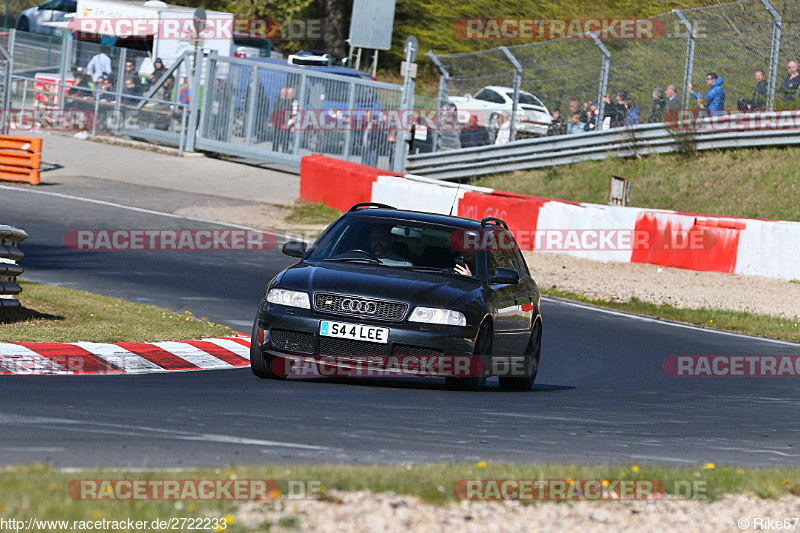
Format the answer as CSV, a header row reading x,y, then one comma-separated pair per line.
x,y
33,19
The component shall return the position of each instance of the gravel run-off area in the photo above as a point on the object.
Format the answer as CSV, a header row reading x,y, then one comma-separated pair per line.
x,y
356,512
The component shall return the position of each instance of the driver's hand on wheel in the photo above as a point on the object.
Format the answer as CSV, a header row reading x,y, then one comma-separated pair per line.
x,y
463,270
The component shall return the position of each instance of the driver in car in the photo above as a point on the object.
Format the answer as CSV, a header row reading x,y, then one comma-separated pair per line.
x,y
381,243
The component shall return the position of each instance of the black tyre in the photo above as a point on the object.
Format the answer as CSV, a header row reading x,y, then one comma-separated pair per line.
x,y
23,24
483,348
532,354
260,363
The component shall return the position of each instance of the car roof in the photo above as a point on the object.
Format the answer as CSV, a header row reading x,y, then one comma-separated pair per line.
x,y
432,218
499,88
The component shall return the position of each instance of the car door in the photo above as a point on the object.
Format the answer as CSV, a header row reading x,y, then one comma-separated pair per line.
x,y
505,304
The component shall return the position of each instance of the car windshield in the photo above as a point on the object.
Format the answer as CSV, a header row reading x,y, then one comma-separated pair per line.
x,y
397,243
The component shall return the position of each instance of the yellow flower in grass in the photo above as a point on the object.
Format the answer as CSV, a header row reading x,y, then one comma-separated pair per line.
x,y
709,466
481,464
635,468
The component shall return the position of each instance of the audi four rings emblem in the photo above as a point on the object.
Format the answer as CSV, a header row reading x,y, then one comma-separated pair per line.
x,y
359,306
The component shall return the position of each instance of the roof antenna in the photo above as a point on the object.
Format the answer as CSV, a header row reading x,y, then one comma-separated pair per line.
x,y
455,199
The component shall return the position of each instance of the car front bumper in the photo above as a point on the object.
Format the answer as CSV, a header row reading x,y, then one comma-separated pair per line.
x,y
295,333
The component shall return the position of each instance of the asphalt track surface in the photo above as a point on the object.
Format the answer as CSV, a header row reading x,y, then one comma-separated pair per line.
x,y
602,394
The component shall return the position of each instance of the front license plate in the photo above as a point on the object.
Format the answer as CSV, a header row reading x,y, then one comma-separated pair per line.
x,y
356,332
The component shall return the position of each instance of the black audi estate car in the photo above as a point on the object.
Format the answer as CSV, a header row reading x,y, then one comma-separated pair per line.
x,y
382,283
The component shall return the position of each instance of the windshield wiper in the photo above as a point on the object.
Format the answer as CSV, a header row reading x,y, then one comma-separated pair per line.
x,y
365,260
436,270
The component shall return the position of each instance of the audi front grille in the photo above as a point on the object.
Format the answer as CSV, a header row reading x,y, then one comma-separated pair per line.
x,y
340,304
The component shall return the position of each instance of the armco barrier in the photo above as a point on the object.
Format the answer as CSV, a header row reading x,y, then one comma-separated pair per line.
x,y
10,254
733,245
20,158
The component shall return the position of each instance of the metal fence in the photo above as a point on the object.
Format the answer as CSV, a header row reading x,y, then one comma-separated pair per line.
x,y
253,108
733,40
712,133
10,254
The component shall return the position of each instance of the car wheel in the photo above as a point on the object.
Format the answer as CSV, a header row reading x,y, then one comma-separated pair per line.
x,y
260,363
23,24
483,348
532,354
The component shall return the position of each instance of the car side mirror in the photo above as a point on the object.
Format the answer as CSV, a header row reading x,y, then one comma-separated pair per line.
x,y
295,248
504,276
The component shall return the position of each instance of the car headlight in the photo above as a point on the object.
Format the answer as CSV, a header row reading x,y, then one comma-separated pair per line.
x,y
289,298
438,316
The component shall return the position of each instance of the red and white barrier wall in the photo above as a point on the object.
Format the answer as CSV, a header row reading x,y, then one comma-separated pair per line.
x,y
735,245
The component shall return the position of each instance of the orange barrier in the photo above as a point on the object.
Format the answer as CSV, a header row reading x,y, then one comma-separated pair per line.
x,y
20,158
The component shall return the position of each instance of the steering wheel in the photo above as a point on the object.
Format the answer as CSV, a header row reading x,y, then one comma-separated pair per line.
x,y
364,252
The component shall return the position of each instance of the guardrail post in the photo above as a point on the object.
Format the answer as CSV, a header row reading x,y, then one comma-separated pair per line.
x,y
517,84
301,108
194,97
211,92
777,28
123,55
406,105
250,103
444,77
605,67
689,65
348,132
62,68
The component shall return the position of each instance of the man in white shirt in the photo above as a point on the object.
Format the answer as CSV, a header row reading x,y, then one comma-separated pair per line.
x,y
100,65
504,130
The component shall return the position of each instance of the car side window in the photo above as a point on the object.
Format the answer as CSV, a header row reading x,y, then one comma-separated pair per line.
x,y
500,256
522,267
489,96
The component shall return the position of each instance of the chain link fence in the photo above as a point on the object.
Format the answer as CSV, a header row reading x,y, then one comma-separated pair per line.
x,y
601,84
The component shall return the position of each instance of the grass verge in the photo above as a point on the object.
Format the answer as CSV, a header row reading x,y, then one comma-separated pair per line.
x,y
56,314
306,213
755,183
736,321
41,492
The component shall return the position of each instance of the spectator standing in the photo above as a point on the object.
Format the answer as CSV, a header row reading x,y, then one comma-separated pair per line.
x,y
130,72
158,70
99,65
759,98
504,130
591,115
282,120
575,125
575,107
673,104
375,138
631,113
791,84
133,92
473,134
556,126
659,106
715,97
616,112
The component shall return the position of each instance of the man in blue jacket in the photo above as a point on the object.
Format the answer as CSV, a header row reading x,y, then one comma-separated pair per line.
x,y
715,97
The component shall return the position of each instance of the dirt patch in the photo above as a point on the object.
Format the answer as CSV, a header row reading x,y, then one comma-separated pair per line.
x,y
256,215
662,285
363,511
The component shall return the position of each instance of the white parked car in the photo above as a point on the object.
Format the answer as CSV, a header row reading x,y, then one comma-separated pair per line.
x,y
533,116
